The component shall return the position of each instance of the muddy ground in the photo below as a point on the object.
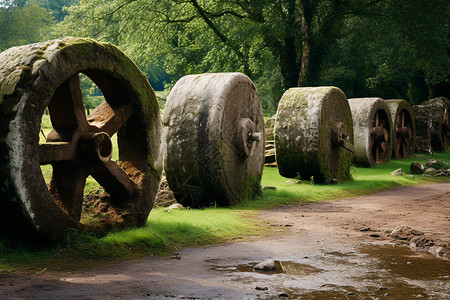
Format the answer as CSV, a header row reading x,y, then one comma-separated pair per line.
x,y
329,250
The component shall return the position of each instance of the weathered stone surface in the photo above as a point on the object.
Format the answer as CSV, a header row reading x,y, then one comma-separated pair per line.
x,y
398,172
429,170
307,121
417,167
204,144
372,125
404,233
440,123
270,126
404,131
31,77
422,119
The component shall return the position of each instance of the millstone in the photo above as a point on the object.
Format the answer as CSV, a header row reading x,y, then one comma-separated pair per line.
x,y
440,123
314,134
214,139
373,131
37,77
403,137
422,120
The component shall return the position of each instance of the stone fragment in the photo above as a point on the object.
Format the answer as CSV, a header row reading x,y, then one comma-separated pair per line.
x,y
398,172
417,167
429,170
268,265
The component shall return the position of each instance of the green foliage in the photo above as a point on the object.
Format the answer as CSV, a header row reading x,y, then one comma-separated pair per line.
x,y
21,22
393,49
57,7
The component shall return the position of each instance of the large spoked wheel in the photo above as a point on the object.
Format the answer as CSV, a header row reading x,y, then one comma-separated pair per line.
x,y
372,126
45,75
404,129
214,139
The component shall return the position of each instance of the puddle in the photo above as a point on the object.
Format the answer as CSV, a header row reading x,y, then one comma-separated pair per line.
x,y
372,271
282,267
406,263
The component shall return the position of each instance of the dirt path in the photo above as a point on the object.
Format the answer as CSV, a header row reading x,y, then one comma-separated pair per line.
x,y
334,249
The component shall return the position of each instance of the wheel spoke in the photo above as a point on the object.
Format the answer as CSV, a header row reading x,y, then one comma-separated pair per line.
x,y
67,187
399,144
67,111
52,152
377,154
110,119
115,181
372,140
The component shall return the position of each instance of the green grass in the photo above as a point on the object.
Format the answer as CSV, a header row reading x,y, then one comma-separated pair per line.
x,y
196,227
364,181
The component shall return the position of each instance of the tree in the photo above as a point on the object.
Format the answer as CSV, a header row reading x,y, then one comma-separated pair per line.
x,y
279,44
21,22
57,7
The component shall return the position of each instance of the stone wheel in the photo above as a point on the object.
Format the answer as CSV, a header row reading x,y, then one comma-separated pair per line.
x,y
314,134
422,120
404,129
214,139
43,76
373,131
440,123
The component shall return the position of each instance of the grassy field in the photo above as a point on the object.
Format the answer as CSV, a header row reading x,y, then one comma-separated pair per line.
x,y
167,231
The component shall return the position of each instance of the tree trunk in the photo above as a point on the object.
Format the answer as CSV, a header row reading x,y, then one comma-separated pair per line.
x,y
306,47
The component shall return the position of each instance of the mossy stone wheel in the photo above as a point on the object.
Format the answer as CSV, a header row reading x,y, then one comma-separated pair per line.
x,y
314,134
43,76
440,123
403,137
214,139
372,125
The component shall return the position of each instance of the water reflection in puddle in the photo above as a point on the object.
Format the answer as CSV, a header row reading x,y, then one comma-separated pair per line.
x,y
282,267
372,271
403,262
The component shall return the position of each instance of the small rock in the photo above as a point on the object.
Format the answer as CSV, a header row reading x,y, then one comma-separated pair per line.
x,y
174,206
437,164
398,172
375,235
364,228
293,181
412,176
417,167
430,162
404,233
261,288
429,170
284,295
268,265
440,173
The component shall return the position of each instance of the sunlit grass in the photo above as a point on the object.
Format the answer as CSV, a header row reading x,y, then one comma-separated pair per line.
x,y
363,181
